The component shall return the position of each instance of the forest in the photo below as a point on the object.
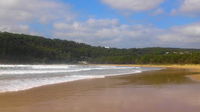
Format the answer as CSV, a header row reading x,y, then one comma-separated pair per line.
x,y
29,49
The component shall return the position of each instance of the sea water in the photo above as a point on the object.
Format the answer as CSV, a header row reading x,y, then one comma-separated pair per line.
x,y
23,77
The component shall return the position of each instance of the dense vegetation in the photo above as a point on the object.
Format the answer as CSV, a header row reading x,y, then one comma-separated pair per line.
x,y
20,48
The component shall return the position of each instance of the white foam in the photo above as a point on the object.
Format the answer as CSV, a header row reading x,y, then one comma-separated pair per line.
x,y
15,72
38,66
44,69
25,84
23,77
11,66
51,66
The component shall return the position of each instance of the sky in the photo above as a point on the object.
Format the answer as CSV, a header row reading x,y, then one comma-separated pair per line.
x,y
110,23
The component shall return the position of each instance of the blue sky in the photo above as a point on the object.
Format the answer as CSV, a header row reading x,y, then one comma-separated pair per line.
x,y
98,10
113,23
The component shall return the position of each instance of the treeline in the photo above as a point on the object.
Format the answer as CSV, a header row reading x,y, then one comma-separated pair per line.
x,y
20,48
152,59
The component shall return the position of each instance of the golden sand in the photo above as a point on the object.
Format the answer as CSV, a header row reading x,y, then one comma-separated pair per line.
x,y
195,77
111,94
127,93
191,67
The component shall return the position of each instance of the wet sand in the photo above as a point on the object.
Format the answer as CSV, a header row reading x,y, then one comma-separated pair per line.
x,y
166,90
195,77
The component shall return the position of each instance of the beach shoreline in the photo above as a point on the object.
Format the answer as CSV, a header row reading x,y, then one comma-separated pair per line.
x,y
70,73
193,75
194,68
110,94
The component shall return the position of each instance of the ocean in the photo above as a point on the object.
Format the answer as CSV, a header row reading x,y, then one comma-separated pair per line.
x,y
23,77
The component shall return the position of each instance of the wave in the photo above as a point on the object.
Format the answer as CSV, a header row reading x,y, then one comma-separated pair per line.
x,y
23,77
25,84
44,69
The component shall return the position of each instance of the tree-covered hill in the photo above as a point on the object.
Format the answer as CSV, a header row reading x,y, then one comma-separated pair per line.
x,y
20,48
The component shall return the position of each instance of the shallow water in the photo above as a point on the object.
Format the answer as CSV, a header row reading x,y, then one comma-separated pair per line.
x,y
22,77
110,94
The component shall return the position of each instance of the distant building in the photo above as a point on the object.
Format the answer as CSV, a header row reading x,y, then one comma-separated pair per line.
x,y
83,62
166,52
107,47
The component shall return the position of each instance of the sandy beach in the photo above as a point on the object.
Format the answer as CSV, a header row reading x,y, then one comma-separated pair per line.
x,y
167,90
100,56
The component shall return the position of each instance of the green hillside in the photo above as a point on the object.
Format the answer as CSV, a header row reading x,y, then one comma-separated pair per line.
x,y
20,48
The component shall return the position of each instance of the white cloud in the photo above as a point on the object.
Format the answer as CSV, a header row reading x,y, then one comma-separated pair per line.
x,y
133,5
23,12
107,32
15,28
16,15
114,34
188,7
182,36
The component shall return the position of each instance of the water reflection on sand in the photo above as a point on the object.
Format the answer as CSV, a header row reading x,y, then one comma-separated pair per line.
x,y
184,98
115,94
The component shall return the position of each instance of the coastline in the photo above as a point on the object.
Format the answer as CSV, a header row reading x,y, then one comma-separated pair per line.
x,y
110,94
24,85
113,94
194,69
192,75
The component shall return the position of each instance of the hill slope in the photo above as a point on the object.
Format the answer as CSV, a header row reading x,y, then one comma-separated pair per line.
x,y
20,48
